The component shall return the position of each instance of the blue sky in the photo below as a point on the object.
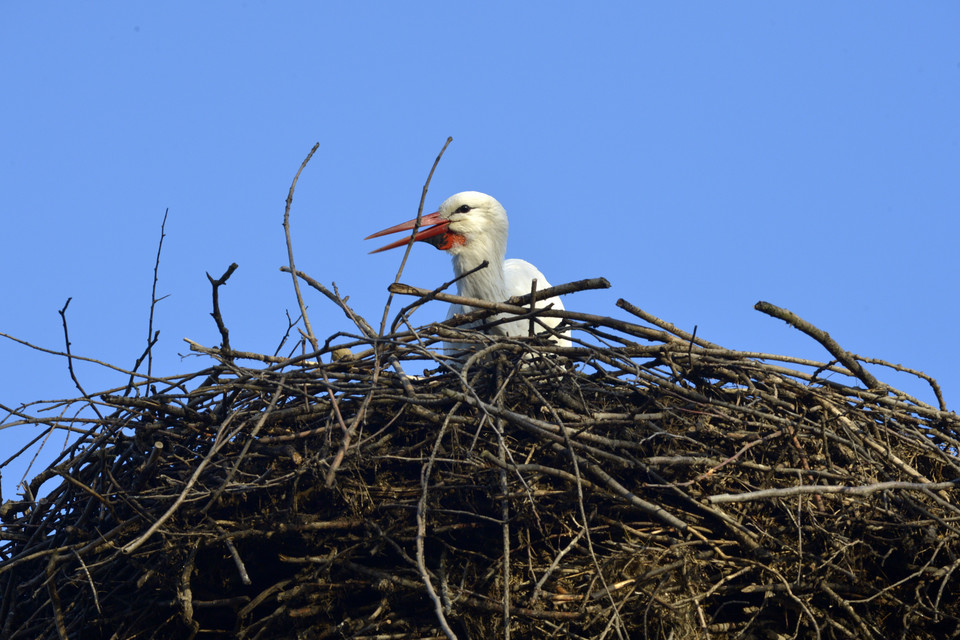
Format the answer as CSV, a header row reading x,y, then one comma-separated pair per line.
x,y
701,156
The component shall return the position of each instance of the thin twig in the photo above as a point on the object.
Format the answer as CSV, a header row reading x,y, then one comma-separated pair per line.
x,y
293,268
422,512
413,234
66,341
151,336
820,489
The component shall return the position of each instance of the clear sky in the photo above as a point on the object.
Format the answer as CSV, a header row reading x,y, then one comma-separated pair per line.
x,y
701,156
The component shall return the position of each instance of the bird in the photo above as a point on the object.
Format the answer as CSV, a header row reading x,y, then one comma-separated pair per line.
x,y
472,227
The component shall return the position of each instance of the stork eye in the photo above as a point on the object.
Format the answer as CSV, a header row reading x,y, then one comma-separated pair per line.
x,y
464,208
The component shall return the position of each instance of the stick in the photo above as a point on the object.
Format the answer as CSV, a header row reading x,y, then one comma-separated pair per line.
x,y
413,234
66,340
820,489
286,231
821,336
216,284
151,338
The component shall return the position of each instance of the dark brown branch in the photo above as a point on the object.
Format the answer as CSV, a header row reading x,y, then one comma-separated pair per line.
x,y
217,317
66,341
151,336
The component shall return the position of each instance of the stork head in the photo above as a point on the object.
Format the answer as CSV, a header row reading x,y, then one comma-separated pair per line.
x,y
466,223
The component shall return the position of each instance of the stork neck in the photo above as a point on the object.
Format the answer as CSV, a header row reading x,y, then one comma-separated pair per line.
x,y
486,284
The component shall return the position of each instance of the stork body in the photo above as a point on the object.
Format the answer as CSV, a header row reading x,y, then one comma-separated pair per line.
x,y
472,227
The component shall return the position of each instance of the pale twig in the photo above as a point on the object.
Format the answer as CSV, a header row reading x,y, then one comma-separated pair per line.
x,y
538,588
348,432
286,230
93,587
416,228
821,489
219,441
422,529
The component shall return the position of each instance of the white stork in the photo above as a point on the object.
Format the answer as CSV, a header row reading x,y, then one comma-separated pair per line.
x,y
472,227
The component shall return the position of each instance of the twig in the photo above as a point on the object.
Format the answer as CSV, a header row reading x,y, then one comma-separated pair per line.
x,y
136,365
54,596
538,588
422,531
485,307
185,590
934,385
66,340
413,234
666,326
405,312
821,489
106,365
215,314
533,306
237,560
823,338
93,587
340,302
151,337
293,268
516,301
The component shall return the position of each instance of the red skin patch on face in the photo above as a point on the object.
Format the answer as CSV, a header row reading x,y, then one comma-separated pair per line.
x,y
448,240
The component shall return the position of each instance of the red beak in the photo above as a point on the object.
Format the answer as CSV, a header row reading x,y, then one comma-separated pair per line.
x,y
431,226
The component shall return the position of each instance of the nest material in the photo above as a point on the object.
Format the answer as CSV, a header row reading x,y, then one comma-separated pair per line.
x,y
663,489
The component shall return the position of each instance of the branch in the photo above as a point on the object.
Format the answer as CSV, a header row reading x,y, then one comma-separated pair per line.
x,y
413,234
293,268
66,339
825,489
404,312
512,305
340,302
821,336
151,338
224,332
663,324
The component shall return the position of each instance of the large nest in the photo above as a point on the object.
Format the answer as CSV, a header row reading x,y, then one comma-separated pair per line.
x,y
640,483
